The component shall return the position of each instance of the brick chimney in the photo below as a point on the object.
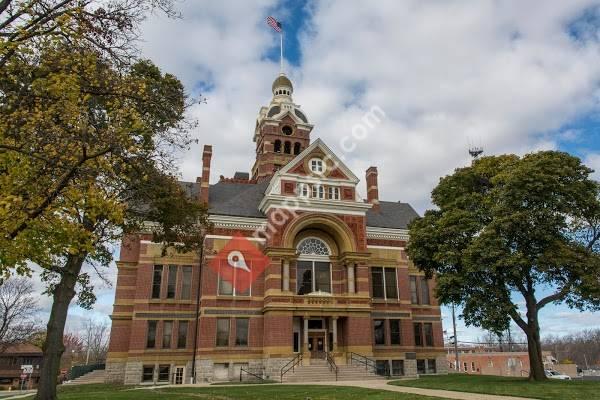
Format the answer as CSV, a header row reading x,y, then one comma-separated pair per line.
x,y
204,180
372,187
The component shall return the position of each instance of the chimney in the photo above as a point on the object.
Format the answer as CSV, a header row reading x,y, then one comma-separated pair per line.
x,y
372,188
204,181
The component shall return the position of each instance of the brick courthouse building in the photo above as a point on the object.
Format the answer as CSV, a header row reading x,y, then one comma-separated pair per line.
x,y
338,285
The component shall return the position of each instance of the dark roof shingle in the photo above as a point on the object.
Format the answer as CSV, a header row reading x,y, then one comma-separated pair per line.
x,y
391,214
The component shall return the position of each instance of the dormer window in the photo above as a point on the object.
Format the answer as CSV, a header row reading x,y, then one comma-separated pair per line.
x,y
318,192
333,193
316,166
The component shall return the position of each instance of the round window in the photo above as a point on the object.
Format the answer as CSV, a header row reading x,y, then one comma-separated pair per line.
x,y
287,130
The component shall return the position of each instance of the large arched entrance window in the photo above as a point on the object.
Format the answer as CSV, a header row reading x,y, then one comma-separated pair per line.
x,y
313,269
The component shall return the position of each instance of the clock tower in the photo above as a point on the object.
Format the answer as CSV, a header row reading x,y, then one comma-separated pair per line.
x,y
282,131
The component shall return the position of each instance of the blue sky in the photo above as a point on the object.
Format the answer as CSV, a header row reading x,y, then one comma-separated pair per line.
x,y
511,76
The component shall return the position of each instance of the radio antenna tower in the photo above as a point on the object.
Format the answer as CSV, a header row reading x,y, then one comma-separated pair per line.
x,y
475,151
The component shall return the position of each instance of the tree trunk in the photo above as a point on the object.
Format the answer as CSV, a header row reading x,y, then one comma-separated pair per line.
x,y
53,347
534,346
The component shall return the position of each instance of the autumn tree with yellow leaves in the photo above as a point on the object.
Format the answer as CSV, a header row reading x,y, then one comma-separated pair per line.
x,y
88,134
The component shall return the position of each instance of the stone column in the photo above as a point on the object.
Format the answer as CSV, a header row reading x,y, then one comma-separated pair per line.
x,y
286,275
351,279
334,333
305,334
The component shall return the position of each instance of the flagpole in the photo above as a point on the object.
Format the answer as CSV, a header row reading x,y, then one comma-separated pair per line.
x,y
281,52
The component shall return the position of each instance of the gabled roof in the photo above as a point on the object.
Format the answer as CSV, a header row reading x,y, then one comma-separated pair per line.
x,y
330,155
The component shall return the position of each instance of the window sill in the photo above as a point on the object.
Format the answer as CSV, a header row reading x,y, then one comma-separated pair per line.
x,y
230,297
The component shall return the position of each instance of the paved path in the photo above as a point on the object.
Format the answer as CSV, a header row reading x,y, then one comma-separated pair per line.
x,y
382,385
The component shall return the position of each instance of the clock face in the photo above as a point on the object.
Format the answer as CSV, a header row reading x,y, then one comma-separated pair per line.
x,y
287,130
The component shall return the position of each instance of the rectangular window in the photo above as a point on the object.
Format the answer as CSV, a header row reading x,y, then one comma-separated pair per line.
x,y
395,335
148,373
318,192
151,338
418,334
333,193
381,367
377,283
424,291
384,283
222,331
315,324
322,277
397,367
227,275
414,297
163,373
391,285
428,333
303,190
465,367
313,276
379,331
241,331
186,282
182,333
421,367
473,366
167,334
157,281
172,281
304,277
431,369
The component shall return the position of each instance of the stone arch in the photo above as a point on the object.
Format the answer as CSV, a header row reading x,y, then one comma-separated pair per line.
x,y
332,226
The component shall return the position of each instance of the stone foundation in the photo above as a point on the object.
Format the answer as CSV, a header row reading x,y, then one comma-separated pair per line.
x,y
115,372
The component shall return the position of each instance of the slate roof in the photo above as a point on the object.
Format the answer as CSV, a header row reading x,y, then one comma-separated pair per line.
x,y
391,215
242,200
236,199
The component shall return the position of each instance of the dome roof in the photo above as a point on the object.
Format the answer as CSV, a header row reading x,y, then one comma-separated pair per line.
x,y
282,80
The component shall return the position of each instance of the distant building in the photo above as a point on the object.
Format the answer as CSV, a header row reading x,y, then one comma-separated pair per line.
x,y
13,359
509,363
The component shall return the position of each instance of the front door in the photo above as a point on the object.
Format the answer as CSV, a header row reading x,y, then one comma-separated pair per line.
x,y
316,344
179,374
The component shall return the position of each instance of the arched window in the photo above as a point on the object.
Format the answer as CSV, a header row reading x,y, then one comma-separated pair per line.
x,y
296,148
277,148
313,246
287,148
313,270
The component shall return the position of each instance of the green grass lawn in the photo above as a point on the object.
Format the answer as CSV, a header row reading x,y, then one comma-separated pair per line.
x,y
519,387
249,392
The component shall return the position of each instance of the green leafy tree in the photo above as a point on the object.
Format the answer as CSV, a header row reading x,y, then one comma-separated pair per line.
x,y
511,229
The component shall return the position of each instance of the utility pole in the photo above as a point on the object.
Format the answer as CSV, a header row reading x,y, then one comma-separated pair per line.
x,y
457,366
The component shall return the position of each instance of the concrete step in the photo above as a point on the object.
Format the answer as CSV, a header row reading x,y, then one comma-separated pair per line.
x,y
96,376
321,373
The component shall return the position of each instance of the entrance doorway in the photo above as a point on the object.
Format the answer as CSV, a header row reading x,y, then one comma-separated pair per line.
x,y
179,375
316,344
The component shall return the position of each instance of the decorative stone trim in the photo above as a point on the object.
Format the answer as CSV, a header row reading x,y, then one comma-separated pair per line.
x,y
243,223
386,233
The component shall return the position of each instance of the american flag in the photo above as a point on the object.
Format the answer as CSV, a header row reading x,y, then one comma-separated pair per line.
x,y
274,23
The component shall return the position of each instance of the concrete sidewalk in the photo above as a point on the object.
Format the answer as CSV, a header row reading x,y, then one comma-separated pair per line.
x,y
382,385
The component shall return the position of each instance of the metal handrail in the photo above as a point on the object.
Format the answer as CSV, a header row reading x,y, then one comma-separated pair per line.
x,y
249,373
368,362
332,365
294,361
